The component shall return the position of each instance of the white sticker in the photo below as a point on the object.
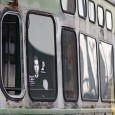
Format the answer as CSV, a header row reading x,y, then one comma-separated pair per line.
x,y
45,84
43,67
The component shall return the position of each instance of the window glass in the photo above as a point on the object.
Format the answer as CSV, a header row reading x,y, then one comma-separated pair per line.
x,y
11,64
92,11
106,70
88,64
100,11
82,8
41,57
109,20
69,64
69,6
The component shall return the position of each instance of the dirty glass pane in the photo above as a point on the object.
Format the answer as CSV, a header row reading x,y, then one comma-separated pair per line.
x,y
100,13
41,57
88,64
82,9
69,6
69,64
11,65
106,70
109,20
92,11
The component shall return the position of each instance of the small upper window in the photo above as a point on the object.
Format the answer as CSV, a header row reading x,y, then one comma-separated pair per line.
x,y
12,57
109,20
69,64
88,64
69,6
92,13
41,56
106,59
100,12
82,9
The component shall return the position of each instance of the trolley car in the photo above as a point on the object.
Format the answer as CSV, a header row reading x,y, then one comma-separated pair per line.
x,y
57,57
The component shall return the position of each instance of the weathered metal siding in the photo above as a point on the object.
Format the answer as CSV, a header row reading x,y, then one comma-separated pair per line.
x,y
61,19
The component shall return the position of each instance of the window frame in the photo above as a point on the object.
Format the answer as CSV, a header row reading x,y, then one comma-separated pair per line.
x,y
94,12
105,100
45,14
84,99
72,13
83,17
103,16
21,95
73,31
111,20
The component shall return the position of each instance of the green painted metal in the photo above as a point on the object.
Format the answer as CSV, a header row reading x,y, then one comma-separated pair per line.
x,y
53,111
5,1
46,5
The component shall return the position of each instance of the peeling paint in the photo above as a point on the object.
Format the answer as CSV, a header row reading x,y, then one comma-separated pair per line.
x,y
62,19
13,4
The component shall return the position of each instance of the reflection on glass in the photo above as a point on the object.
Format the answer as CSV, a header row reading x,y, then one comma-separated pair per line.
x,y
41,57
100,16
82,8
68,6
69,66
91,11
106,70
109,20
88,63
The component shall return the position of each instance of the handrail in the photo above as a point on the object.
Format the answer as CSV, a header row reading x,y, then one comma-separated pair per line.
x,y
17,111
12,89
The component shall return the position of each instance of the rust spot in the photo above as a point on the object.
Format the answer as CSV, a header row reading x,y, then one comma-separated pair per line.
x,y
20,106
13,4
92,106
8,103
6,99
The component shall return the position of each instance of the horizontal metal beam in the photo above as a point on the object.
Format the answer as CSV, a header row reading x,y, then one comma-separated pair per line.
x,y
52,111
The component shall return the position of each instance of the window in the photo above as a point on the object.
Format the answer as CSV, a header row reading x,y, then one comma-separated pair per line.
x,y
92,13
69,64
106,70
109,20
100,12
41,56
88,64
12,56
68,6
82,8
